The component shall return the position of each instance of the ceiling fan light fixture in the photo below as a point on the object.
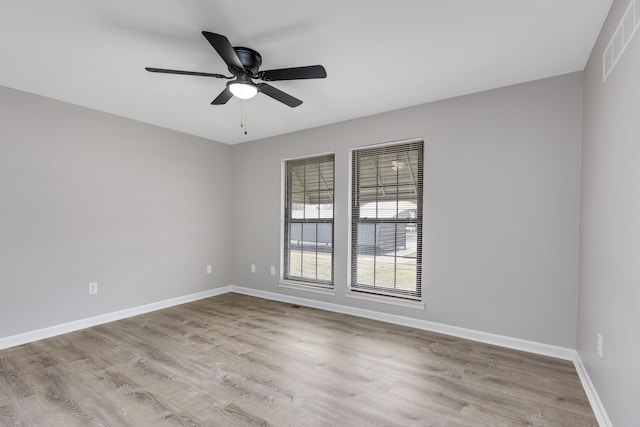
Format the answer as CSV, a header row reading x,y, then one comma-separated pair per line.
x,y
243,90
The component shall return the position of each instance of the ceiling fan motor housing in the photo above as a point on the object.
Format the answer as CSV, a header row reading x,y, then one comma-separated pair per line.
x,y
249,58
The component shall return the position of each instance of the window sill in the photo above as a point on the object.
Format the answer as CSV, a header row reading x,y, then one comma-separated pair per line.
x,y
301,286
419,305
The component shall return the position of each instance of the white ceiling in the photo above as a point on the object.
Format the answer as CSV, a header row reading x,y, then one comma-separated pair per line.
x,y
379,55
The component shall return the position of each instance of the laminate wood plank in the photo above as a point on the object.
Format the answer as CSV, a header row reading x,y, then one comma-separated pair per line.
x,y
235,360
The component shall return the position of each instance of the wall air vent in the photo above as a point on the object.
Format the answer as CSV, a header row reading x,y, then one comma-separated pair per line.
x,y
623,34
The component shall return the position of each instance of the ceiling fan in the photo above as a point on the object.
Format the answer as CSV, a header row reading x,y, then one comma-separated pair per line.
x,y
244,65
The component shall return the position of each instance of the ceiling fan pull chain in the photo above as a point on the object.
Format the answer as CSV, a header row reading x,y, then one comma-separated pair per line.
x,y
244,119
242,113
243,116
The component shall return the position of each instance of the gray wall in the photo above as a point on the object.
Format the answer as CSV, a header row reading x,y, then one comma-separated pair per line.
x,y
609,295
501,207
86,196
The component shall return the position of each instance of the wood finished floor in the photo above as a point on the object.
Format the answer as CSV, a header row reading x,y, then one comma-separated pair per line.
x,y
235,360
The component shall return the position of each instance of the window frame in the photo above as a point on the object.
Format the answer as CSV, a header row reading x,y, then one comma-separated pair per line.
x,y
363,291
287,280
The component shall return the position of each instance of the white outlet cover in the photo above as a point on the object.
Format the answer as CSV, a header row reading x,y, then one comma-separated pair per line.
x,y
273,270
600,344
209,269
253,268
93,288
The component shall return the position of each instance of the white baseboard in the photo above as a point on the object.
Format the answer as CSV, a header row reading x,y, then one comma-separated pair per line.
x,y
503,341
592,394
52,331
484,337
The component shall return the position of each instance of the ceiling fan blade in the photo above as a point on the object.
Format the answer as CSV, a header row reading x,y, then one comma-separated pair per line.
x,y
296,73
224,96
279,95
187,73
222,45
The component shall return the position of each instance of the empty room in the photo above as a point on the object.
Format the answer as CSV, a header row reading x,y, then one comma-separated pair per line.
x,y
322,213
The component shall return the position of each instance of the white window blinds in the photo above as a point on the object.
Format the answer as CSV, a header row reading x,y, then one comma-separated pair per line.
x,y
308,216
386,214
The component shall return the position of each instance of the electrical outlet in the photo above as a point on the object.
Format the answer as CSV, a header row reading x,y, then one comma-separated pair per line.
x,y
93,288
273,270
600,342
253,268
209,269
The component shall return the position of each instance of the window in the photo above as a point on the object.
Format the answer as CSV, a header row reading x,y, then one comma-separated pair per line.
x,y
386,220
308,221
